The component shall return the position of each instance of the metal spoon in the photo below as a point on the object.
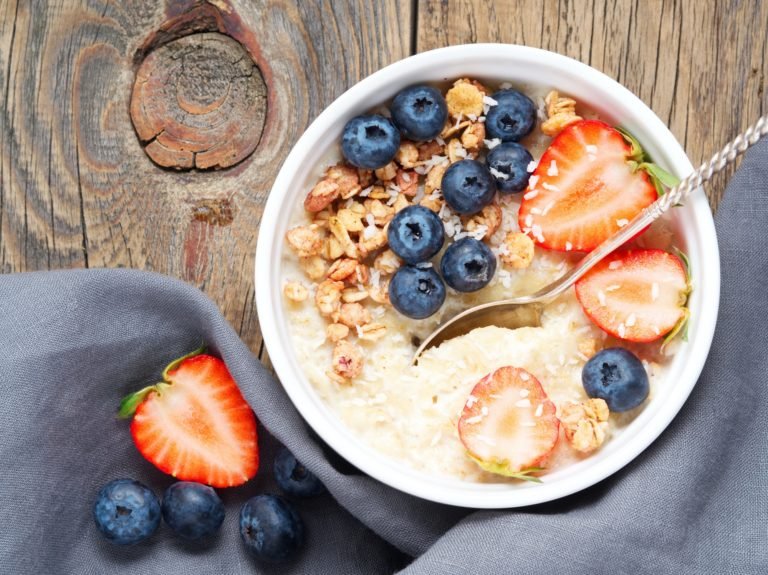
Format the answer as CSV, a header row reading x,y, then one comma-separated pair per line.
x,y
526,310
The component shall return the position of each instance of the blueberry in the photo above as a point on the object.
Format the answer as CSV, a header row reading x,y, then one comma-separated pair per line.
x,y
416,292
468,186
419,112
126,511
370,141
512,118
511,160
293,478
468,265
271,529
416,234
192,510
617,376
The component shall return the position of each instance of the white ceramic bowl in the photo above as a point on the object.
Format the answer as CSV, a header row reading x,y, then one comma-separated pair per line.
x,y
516,64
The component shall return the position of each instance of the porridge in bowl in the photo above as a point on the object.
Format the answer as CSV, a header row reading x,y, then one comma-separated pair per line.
x,y
459,195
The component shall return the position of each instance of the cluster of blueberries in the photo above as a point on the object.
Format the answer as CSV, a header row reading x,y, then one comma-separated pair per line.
x,y
127,511
416,233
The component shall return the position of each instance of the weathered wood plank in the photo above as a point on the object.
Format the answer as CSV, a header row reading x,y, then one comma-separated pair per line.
x,y
701,66
76,188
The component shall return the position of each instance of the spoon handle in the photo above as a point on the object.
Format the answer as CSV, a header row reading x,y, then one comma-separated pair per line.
x,y
692,182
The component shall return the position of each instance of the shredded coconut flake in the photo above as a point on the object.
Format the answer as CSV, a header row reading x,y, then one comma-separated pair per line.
x,y
531,194
631,320
568,246
654,291
366,191
524,376
473,420
471,400
622,330
524,393
591,149
550,187
531,166
491,144
613,287
552,170
601,297
498,175
615,264
539,410
622,222
523,403
424,265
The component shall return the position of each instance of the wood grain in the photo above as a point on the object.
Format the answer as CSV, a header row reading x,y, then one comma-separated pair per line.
x,y
701,66
77,190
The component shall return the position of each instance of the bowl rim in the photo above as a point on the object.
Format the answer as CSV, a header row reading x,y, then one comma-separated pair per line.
x,y
397,474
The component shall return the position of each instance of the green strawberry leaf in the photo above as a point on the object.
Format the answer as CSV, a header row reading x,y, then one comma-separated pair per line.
x,y
130,402
175,363
639,160
525,474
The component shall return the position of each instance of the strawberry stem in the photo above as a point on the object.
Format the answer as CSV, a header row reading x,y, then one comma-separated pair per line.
x,y
131,401
639,160
175,363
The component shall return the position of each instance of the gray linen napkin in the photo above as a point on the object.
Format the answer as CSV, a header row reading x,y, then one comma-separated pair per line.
x,y
72,343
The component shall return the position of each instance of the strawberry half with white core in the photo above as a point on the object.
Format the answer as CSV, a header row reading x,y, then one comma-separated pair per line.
x,y
590,182
508,425
195,424
637,295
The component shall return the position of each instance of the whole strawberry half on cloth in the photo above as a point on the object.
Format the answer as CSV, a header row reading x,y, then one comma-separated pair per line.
x,y
195,425
637,295
590,182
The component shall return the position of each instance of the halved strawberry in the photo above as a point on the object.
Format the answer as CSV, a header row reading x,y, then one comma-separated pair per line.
x,y
591,181
636,295
195,425
508,425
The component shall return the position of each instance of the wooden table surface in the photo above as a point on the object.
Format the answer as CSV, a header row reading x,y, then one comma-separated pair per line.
x,y
78,190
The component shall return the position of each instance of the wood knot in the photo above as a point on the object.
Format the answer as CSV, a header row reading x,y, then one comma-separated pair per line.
x,y
199,102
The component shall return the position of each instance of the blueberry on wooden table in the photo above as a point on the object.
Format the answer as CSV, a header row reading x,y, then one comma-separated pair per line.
x,y
419,112
416,234
271,528
192,510
512,117
126,511
416,292
370,141
295,479
468,265
508,163
617,376
468,186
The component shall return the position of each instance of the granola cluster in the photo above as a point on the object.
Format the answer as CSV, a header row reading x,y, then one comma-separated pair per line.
x,y
343,250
